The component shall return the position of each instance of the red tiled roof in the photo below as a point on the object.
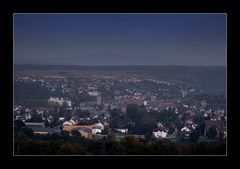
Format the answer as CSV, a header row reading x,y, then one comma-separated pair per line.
x,y
86,128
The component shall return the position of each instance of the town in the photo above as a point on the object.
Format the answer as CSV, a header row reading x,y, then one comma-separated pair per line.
x,y
96,104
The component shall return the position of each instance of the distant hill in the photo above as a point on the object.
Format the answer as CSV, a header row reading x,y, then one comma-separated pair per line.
x,y
205,77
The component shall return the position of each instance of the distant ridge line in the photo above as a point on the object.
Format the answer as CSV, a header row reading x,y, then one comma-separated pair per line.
x,y
120,65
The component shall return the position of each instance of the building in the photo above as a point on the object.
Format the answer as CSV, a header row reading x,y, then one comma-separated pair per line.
x,y
85,130
99,125
96,131
159,124
38,128
32,124
123,131
69,123
124,109
99,99
93,93
160,134
59,101
61,119
185,131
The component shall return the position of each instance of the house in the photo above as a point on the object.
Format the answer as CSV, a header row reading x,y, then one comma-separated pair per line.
x,y
28,116
106,124
61,119
194,126
97,128
73,122
95,116
123,131
50,119
40,112
186,131
99,125
96,131
176,111
160,134
159,124
67,123
20,117
60,101
189,122
93,93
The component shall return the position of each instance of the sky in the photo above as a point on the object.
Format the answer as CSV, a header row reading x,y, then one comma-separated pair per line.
x,y
120,39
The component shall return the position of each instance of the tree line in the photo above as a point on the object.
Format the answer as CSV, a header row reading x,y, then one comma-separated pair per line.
x,y
27,143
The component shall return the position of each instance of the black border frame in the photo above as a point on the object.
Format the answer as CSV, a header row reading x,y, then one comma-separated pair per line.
x,y
130,6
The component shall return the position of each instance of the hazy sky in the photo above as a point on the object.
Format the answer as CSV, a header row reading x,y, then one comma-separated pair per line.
x,y
120,39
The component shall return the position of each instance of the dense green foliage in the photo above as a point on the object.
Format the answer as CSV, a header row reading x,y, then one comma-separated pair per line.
x,y
127,146
142,122
212,133
63,144
194,136
75,133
